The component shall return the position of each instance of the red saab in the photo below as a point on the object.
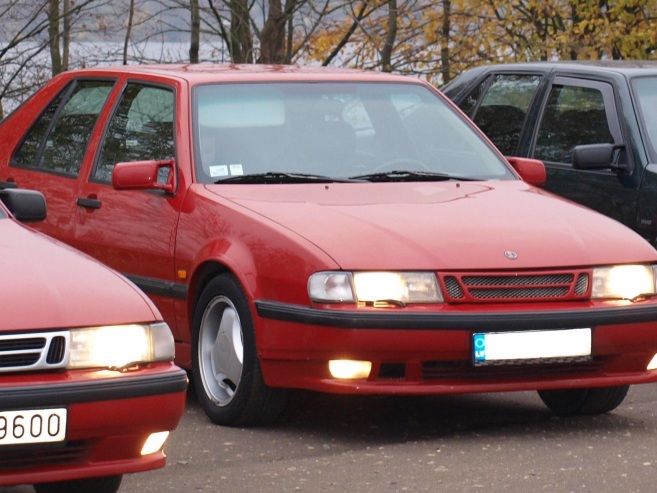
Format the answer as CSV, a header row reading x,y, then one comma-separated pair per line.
x,y
335,230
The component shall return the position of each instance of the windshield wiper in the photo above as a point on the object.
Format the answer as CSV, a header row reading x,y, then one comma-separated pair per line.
x,y
405,175
280,177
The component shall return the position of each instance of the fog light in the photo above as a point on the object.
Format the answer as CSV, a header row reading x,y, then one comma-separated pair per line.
x,y
154,443
350,369
653,363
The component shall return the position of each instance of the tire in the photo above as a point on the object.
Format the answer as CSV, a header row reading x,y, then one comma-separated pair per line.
x,y
225,367
105,484
580,402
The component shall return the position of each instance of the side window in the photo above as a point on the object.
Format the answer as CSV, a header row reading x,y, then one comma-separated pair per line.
x,y
502,109
469,103
141,129
58,139
574,115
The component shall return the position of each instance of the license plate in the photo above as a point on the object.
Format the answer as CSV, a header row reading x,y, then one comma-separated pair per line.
x,y
33,426
500,347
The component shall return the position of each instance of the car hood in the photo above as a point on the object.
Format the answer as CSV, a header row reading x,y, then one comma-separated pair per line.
x,y
47,285
442,225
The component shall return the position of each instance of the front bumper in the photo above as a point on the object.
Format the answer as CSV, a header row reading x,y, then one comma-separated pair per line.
x,y
428,352
109,416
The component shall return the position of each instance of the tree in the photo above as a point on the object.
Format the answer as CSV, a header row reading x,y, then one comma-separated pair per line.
x,y
576,29
195,38
431,39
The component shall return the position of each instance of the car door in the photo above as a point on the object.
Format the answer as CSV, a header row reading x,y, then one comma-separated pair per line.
x,y
134,231
50,156
577,112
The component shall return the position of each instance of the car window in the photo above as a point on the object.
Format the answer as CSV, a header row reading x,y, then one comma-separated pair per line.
x,y
500,110
574,115
58,139
141,129
645,90
334,130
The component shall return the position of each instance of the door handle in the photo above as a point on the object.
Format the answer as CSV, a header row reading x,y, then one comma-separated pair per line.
x,y
88,203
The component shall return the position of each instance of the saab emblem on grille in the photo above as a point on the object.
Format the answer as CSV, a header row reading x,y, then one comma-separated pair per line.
x,y
510,255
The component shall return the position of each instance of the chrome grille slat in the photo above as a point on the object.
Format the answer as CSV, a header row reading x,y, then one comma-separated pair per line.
x,y
45,350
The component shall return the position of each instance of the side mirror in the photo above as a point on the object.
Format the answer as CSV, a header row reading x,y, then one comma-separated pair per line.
x,y
25,205
598,156
530,170
145,175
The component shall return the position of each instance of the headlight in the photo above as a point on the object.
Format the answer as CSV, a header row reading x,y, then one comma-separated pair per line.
x,y
331,287
623,281
119,346
372,287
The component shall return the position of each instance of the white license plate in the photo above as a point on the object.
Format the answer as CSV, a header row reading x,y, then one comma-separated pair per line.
x,y
33,426
531,345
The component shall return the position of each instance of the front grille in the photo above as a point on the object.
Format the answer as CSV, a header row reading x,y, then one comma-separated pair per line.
x,y
47,350
521,286
24,458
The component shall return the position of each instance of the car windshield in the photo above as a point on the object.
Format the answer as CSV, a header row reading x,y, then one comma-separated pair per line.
x,y
317,132
645,89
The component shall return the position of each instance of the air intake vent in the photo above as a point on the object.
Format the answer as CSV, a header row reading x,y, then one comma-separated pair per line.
x,y
516,287
22,352
57,350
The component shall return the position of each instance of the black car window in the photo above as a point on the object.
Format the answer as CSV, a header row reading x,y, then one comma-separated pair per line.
x,y
469,102
141,129
58,139
501,111
574,115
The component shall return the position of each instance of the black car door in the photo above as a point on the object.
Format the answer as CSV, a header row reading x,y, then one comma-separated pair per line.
x,y
576,112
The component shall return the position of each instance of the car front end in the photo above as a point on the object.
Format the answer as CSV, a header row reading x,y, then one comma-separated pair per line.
x,y
88,388
418,304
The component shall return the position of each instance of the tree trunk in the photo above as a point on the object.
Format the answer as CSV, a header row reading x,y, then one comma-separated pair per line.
x,y
66,35
53,37
195,42
241,44
388,46
445,68
128,31
272,38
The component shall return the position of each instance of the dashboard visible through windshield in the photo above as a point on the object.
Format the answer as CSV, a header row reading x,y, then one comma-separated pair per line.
x,y
335,131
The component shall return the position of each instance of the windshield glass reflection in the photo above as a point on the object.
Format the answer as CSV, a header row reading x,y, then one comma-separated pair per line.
x,y
335,130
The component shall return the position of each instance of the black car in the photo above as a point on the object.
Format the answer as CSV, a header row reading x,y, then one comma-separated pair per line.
x,y
593,124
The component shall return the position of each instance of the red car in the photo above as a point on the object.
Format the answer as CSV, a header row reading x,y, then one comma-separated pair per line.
x,y
88,389
334,230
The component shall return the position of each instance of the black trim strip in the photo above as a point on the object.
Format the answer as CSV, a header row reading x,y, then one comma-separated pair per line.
x,y
157,287
391,320
61,394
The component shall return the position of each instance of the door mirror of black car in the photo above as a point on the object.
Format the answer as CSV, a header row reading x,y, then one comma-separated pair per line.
x,y
25,205
530,170
145,175
598,156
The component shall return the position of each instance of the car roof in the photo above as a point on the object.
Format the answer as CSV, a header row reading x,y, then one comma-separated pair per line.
x,y
627,67
212,72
